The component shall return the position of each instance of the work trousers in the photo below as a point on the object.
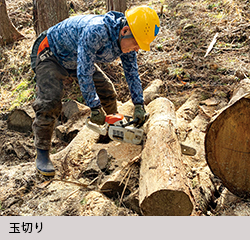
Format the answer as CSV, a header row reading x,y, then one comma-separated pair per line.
x,y
50,76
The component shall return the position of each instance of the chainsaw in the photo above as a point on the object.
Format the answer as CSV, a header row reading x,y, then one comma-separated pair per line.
x,y
118,127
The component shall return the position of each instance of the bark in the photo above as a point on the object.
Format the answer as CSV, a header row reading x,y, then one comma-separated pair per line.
x,y
48,13
152,91
74,154
8,32
162,188
113,186
192,118
116,5
69,130
227,142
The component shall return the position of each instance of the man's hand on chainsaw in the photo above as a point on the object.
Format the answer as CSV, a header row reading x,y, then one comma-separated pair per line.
x,y
140,114
97,115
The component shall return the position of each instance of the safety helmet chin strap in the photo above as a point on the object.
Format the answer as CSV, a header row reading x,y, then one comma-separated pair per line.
x,y
127,36
124,37
123,24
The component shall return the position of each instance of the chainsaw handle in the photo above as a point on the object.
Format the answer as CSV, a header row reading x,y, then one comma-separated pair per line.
x,y
136,120
130,122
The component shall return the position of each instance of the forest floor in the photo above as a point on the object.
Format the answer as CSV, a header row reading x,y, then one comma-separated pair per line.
x,y
177,57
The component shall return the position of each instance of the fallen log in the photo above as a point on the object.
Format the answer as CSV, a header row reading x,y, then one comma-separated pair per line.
x,y
124,156
227,142
75,123
241,89
71,108
113,185
152,91
192,119
162,189
75,157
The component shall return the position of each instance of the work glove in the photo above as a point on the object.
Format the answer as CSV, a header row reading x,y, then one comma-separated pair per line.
x,y
97,115
140,114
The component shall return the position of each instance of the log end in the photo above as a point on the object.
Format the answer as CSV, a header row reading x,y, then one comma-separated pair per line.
x,y
167,203
227,145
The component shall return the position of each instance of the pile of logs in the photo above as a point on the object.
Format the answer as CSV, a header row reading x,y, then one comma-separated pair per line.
x,y
176,167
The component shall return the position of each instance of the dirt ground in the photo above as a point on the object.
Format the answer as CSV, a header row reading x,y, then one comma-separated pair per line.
x,y
177,57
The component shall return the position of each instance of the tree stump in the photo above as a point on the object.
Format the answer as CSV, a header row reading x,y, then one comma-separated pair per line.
x,y
227,143
162,189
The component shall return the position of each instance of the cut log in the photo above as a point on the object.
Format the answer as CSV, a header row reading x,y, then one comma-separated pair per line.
x,y
152,91
77,153
102,159
69,130
127,108
192,123
97,165
241,89
112,186
162,189
227,143
71,108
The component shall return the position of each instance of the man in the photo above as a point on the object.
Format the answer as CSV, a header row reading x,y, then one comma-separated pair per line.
x,y
77,43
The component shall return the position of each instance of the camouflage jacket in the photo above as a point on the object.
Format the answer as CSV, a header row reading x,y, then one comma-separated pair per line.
x,y
80,41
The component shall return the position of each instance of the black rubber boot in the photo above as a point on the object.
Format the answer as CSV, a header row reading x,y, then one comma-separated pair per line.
x,y
44,164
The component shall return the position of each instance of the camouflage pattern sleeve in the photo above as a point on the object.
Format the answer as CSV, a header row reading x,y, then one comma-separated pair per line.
x,y
129,62
89,43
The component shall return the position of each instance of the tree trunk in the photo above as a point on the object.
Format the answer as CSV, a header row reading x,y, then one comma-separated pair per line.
x,y
8,33
48,13
227,143
116,5
162,188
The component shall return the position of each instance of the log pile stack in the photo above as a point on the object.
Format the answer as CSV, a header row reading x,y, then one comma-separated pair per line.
x,y
170,183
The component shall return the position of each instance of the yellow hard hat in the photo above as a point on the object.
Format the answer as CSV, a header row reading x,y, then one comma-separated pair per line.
x,y
144,24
